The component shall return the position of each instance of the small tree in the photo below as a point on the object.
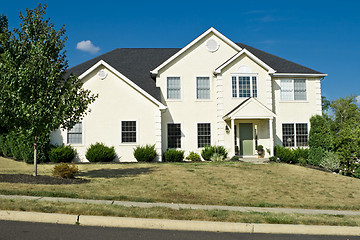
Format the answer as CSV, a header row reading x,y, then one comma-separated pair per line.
x,y
35,95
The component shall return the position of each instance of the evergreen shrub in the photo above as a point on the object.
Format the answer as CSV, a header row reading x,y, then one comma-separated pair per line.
x,y
62,154
173,155
98,152
194,157
145,153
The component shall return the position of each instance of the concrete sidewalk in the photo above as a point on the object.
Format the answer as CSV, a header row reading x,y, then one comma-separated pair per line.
x,y
186,206
165,224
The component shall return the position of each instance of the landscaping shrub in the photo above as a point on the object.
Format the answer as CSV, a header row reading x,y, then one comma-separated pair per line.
x,y
302,161
145,153
316,154
216,157
194,157
209,151
330,161
300,153
65,170
173,155
98,152
62,154
285,155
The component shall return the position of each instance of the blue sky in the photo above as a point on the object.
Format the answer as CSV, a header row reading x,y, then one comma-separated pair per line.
x,y
323,35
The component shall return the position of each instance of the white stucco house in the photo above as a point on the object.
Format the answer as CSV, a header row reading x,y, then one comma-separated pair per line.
x,y
212,91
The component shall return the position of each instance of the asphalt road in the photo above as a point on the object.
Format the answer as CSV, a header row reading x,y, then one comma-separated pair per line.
x,y
41,231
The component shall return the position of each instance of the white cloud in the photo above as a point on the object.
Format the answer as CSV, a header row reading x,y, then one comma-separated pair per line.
x,y
87,46
358,99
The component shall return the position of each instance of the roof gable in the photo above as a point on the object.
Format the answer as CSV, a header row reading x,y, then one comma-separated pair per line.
x,y
134,63
250,55
124,78
250,108
192,43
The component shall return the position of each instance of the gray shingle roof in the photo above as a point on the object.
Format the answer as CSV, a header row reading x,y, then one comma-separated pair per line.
x,y
280,65
136,64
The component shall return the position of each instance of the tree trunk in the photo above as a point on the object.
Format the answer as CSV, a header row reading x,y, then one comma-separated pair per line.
x,y
35,157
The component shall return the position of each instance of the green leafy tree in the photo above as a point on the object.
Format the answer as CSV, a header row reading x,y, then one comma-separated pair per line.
x,y
3,29
320,139
35,94
345,128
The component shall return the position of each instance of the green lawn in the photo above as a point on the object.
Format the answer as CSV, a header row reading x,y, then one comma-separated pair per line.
x,y
236,184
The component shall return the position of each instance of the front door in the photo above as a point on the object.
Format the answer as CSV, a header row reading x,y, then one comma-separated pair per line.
x,y
246,139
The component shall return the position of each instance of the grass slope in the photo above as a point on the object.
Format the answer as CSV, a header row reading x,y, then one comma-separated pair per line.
x,y
236,184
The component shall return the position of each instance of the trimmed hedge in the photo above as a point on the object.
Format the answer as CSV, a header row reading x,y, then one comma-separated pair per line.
x,y
145,153
98,152
62,154
19,145
173,155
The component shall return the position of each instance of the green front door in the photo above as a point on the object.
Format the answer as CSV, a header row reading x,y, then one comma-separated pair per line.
x,y
246,139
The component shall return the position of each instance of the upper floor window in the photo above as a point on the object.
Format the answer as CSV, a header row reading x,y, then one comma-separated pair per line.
x,y
173,88
203,88
128,131
292,89
74,135
244,86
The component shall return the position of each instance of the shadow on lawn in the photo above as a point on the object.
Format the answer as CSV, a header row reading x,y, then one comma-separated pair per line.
x,y
116,173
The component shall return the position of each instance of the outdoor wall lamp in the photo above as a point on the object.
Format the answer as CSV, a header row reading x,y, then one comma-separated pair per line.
x,y
227,129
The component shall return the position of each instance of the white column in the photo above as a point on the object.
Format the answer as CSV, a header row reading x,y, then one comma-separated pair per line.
x,y
232,137
271,137
220,124
158,137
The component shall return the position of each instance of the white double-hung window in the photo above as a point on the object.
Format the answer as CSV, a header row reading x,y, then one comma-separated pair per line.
x,y
292,89
202,87
244,86
173,88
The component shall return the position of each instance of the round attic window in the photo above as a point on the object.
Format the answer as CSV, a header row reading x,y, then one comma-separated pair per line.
x,y
212,45
102,74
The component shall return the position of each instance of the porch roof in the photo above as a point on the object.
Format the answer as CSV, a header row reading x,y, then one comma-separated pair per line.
x,y
250,108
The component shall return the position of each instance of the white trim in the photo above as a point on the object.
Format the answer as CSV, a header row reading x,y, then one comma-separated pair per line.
x,y
297,75
203,99
181,90
210,30
167,136
137,132
271,114
127,80
249,54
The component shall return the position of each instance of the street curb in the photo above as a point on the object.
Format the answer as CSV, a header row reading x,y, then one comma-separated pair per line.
x,y
165,224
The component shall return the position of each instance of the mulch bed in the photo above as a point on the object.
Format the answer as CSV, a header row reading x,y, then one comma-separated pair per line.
x,y
40,179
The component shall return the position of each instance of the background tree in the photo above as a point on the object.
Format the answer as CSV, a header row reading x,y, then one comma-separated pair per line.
x,y
35,95
345,128
320,139
3,30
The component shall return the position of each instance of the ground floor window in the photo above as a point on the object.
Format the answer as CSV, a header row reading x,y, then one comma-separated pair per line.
x,y
128,131
174,135
74,135
204,134
295,134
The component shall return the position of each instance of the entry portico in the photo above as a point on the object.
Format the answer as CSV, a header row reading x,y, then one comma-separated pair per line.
x,y
250,124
